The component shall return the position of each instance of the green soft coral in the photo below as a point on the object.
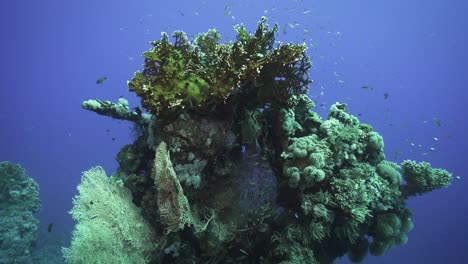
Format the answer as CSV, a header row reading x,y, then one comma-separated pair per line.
x,y
422,178
307,160
389,230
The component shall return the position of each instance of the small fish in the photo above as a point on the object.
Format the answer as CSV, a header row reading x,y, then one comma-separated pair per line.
x,y
431,149
337,74
386,95
457,177
367,87
226,7
125,243
50,226
113,139
435,139
437,121
100,80
307,11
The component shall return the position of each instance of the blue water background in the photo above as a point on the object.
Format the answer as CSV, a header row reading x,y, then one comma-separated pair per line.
x,y
53,51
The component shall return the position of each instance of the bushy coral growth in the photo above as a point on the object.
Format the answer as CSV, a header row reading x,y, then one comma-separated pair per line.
x,y
183,75
19,200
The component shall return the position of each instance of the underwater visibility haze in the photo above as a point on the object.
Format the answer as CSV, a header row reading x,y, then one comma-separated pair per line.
x,y
233,132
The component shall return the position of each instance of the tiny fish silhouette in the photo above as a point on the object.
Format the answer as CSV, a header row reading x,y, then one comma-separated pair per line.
x,y
101,80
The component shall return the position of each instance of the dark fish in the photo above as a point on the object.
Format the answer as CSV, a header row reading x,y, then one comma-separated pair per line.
x,y
367,87
125,243
386,95
113,139
437,121
138,110
101,80
49,227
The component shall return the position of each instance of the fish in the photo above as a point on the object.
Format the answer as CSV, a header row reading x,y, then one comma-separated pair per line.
x,y
437,121
49,227
367,87
386,95
337,74
243,252
228,12
125,243
100,80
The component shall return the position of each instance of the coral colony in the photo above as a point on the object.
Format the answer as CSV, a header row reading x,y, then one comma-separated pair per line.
x,y
231,165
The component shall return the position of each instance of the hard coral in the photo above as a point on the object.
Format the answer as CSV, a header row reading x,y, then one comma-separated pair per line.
x,y
195,76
